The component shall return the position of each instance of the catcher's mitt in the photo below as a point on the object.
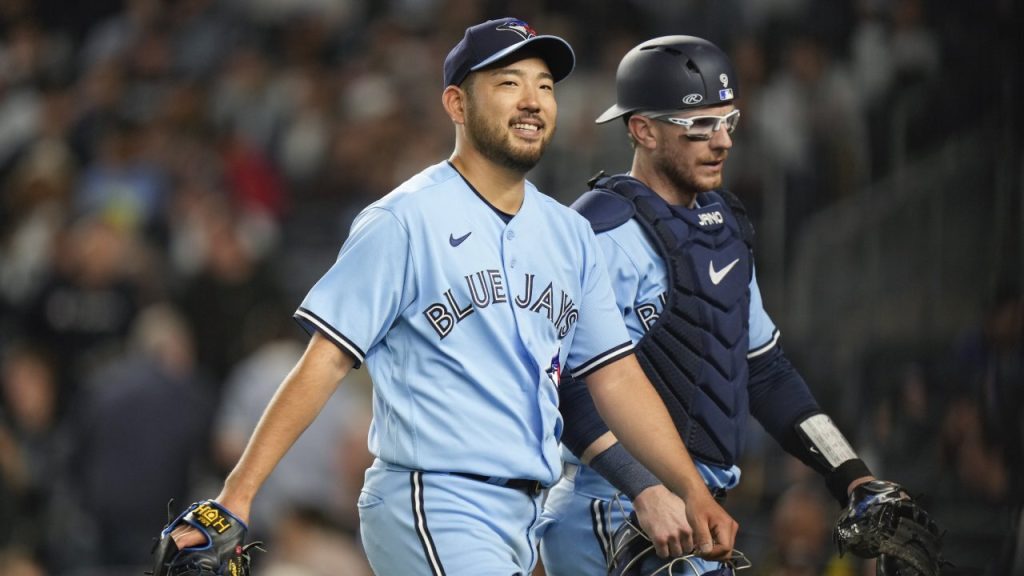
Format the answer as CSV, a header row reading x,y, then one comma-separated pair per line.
x,y
883,521
224,553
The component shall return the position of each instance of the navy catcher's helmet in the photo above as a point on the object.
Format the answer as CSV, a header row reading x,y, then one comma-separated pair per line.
x,y
672,73
632,554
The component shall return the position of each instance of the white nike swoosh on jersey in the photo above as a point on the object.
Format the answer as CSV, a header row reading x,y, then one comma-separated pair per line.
x,y
718,275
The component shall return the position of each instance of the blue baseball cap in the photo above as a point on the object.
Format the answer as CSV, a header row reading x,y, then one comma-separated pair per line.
x,y
488,42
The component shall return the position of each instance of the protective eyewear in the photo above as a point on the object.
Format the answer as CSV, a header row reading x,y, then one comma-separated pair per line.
x,y
702,127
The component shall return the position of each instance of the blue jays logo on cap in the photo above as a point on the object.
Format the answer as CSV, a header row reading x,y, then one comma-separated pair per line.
x,y
490,42
519,27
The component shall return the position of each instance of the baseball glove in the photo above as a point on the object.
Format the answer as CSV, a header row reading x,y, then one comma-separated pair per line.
x,y
883,521
224,553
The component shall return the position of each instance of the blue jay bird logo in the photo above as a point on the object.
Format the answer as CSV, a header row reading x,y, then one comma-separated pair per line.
x,y
519,27
554,371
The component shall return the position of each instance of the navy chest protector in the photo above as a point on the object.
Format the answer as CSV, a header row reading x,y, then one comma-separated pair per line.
x,y
695,351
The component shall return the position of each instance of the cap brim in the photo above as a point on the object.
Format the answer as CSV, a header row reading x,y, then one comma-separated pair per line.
x,y
553,50
610,114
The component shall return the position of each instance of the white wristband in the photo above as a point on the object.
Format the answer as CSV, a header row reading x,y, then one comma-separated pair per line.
x,y
827,440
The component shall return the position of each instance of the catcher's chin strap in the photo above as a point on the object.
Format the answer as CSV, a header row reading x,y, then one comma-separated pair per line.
x,y
630,534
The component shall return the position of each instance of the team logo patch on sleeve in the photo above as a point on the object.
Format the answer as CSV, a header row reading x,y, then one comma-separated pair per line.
x,y
554,371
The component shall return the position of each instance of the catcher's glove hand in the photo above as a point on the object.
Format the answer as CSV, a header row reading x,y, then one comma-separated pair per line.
x,y
224,553
883,521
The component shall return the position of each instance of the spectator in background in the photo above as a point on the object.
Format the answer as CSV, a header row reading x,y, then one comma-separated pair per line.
x,y
244,100
17,562
141,417
98,95
902,426
34,206
83,311
1001,386
121,183
817,130
203,35
983,431
894,56
234,299
801,536
114,36
33,445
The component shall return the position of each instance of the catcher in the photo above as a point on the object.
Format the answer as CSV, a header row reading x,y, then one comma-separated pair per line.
x,y
679,249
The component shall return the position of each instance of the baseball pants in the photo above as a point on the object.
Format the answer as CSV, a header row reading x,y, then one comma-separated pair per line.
x,y
415,523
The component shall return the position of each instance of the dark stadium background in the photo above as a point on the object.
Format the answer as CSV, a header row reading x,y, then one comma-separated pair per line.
x,y
174,175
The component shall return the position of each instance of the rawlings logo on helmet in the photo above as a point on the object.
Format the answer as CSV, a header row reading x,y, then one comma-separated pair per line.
x,y
519,27
691,99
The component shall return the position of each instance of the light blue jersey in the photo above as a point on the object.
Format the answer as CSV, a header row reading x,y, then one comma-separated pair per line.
x,y
583,510
464,321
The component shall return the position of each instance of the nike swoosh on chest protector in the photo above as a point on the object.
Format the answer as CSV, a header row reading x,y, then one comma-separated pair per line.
x,y
718,275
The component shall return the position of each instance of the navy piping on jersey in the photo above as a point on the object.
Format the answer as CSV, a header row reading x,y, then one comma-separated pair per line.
x,y
422,530
599,523
602,360
331,334
766,346
505,216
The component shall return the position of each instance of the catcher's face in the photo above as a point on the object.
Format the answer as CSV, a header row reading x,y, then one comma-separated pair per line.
x,y
692,146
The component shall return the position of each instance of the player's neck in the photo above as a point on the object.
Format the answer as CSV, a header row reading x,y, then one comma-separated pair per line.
x,y
502,187
664,187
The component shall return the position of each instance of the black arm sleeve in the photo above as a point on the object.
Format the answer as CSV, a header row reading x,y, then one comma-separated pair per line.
x,y
582,423
780,399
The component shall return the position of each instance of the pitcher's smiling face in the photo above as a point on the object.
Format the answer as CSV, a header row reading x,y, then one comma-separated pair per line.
x,y
511,111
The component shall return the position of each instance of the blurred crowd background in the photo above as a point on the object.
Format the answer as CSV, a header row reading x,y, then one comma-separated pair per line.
x,y
175,174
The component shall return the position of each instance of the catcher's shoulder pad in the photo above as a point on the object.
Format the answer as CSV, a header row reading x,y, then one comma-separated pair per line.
x,y
604,209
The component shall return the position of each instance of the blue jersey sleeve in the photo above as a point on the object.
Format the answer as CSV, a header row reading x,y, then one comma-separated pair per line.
x,y
763,333
600,336
363,292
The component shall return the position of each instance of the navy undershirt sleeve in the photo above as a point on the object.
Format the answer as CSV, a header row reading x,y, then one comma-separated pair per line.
x,y
582,422
780,399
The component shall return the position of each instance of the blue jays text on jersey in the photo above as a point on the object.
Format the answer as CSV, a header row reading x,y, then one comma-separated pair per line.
x,y
464,321
487,287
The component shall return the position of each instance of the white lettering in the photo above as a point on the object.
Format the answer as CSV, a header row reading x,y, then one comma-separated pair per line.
x,y
709,218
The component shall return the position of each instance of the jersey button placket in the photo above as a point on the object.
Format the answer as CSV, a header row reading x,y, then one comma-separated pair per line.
x,y
510,235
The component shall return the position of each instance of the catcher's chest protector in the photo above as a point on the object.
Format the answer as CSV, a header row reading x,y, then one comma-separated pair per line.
x,y
695,352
